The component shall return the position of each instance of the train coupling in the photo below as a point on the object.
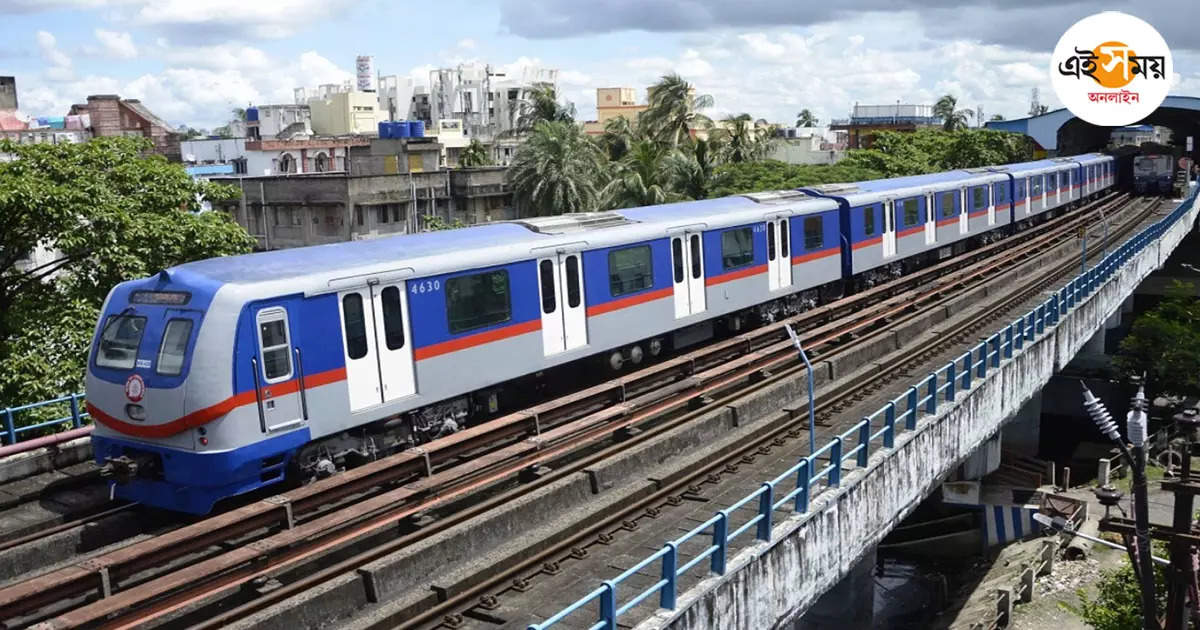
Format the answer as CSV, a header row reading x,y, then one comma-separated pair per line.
x,y
125,468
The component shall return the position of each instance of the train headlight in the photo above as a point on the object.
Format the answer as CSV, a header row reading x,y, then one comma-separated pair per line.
x,y
135,412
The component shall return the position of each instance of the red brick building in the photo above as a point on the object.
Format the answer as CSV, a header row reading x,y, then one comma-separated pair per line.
x,y
112,115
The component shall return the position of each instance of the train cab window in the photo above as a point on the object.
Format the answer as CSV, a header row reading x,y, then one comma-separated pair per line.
x,y
119,341
574,294
696,269
737,248
355,324
477,300
677,258
869,221
785,244
814,233
393,318
630,269
274,345
979,197
174,347
546,273
948,204
912,212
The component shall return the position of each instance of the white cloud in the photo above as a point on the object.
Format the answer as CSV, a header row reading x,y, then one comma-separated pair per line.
x,y
220,57
118,45
466,44
49,46
270,20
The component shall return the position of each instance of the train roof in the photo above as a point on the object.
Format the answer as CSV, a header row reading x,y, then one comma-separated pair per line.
x,y
1035,166
857,193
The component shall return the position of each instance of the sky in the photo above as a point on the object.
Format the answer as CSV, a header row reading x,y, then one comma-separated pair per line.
x,y
192,61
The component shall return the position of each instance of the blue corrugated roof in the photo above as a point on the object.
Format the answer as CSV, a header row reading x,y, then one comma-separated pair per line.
x,y
290,263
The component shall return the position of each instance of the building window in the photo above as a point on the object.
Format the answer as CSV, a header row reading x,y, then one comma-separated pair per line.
x,y
321,164
381,214
814,233
358,215
737,248
477,300
947,205
629,270
869,221
912,212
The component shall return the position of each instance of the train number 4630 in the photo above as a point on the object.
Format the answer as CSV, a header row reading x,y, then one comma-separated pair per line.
x,y
426,286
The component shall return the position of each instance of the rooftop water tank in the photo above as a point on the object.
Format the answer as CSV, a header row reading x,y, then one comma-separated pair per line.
x,y
417,128
251,114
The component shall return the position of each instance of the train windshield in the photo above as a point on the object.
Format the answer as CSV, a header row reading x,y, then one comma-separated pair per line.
x,y
119,339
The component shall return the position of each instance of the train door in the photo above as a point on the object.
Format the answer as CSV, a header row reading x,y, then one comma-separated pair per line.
x,y
889,228
358,333
991,201
274,365
393,340
1045,191
1070,184
930,220
687,267
1028,194
564,314
1053,179
963,215
779,254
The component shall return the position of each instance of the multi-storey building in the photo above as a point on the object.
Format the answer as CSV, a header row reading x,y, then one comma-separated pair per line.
x,y
867,120
111,115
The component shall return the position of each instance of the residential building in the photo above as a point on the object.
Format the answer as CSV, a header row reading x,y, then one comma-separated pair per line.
x,y
8,94
613,102
269,121
867,120
453,139
389,187
803,145
489,102
1136,135
111,115
396,98
345,113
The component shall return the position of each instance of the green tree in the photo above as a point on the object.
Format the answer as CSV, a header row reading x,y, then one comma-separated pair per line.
x,y
933,150
747,177
1118,601
952,118
433,223
690,173
619,134
1164,344
744,139
542,105
806,119
100,212
474,155
641,178
997,117
673,110
556,170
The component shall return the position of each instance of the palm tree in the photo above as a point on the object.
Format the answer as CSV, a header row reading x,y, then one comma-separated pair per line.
x,y
640,178
806,119
239,113
690,173
997,116
952,119
542,104
556,170
474,154
745,139
673,110
619,134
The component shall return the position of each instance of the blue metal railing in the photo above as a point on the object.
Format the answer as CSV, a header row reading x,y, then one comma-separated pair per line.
x,y
799,481
13,433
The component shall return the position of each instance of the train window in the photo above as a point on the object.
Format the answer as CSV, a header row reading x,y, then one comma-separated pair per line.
x,y
356,326
868,220
677,258
784,244
912,212
629,270
546,272
477,300
273,342
1035,186
1051,182
573,290
770,240
947,204
174,347
119,341
696,269
979,194
814,233
1001,194
737,248
393,318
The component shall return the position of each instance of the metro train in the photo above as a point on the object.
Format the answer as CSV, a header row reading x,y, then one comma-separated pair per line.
x,y
1154,174
218,377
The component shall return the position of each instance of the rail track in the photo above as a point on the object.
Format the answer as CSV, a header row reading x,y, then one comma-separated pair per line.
x,y
162,576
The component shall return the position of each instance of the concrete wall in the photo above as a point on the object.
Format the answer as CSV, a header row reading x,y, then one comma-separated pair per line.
x,y
773,583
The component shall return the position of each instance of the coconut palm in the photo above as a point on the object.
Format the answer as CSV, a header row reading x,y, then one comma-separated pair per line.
x,y
542,104
745,139
474,154
556,170
806,119
619,134
673,110
997,117
690,173
239,113
952,119
640,178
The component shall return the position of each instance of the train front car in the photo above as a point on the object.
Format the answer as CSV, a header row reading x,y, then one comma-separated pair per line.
x,y
161,391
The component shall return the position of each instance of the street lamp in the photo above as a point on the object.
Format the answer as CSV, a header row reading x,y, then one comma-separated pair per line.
x,y
1136,430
